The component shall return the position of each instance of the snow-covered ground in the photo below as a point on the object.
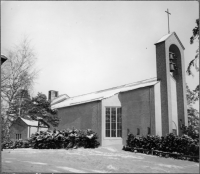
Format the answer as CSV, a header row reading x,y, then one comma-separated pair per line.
x,y
99,160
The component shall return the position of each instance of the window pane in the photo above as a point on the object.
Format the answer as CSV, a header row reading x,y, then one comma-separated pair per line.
x,y
119,114
113,112
107,122
119,122
107,118
108,126
119,133
113,122
107,133
107,111
113,133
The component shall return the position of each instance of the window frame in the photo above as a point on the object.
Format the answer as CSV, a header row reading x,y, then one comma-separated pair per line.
x,y
18,136
110,107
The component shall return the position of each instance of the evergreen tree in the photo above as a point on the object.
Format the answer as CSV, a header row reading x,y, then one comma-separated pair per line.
x,y
41,109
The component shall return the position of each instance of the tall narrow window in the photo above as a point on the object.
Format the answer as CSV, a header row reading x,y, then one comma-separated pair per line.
x,y
148,130
18,136
119,122
113,122
138,131
107,122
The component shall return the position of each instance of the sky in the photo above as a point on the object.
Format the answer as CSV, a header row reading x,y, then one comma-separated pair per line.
x,y
86,46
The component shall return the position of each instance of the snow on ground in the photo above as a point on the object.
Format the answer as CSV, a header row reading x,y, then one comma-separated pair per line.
x,y
99,160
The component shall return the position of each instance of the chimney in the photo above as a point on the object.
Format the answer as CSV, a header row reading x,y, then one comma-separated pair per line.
x,y
52,94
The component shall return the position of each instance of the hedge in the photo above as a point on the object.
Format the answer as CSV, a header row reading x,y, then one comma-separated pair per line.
x,y
15,144
57,139
170,145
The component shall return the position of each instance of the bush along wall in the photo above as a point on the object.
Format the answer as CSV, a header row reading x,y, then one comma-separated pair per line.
x,y
57,139
183,147
15,144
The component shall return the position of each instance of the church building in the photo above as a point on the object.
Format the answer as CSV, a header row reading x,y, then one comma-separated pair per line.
x,y
155,106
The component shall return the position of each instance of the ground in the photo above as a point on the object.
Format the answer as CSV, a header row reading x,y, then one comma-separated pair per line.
x,y
99,160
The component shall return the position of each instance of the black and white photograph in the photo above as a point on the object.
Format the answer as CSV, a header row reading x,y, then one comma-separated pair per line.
x,y
99,87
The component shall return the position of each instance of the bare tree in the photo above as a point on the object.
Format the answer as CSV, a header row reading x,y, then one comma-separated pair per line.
x,y
17,73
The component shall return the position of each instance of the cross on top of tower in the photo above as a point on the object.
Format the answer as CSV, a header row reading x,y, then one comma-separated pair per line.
x,y
168,19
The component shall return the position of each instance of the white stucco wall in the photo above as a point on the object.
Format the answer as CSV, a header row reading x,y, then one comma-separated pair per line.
x,y
28,131
174,104
33,130
110,102
43,129
158,118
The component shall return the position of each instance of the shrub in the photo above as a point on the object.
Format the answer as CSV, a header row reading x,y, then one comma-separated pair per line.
x,y
9,144
64,139
170,143
191,131
56,140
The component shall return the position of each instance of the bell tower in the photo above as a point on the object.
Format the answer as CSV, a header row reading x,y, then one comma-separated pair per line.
x,y
171,74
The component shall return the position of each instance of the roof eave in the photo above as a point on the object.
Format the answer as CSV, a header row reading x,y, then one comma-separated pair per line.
x,y
179,41
101,98
78,103
170,36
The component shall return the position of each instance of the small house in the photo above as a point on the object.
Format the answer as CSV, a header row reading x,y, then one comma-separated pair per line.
x,y
23,128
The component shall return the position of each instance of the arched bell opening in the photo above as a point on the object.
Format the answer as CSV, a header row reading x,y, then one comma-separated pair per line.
x,y
174,56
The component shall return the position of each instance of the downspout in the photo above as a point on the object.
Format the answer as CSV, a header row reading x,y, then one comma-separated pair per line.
x,y
150,107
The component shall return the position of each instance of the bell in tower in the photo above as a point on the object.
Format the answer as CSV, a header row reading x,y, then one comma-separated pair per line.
x,y
171,62
169,56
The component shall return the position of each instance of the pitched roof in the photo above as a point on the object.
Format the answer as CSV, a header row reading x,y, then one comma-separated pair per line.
x,y
30,122
59,99
164,38
100,95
